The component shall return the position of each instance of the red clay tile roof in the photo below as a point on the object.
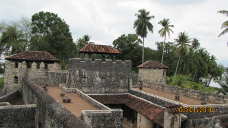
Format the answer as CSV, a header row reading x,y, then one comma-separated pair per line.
x,y
32,56
152,64
99,49
147,109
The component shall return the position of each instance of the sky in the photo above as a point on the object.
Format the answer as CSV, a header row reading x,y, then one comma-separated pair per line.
x,y
106,20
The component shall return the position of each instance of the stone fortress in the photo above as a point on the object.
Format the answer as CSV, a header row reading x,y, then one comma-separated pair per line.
x,y
95,93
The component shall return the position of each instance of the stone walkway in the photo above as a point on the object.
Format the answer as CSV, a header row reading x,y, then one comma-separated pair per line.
x,y
77,103
171,96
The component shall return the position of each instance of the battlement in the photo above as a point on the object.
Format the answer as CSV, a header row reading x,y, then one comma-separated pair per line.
x,y
87,63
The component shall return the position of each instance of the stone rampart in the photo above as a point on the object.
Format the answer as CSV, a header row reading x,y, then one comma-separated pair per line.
x,y
50,114
58,77
17,116
99,76
11,97
154,98
208,97
103,118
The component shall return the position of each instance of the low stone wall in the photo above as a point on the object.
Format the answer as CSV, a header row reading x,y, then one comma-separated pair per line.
x,y
11,97
208,97
86,97
154,98
50,114
203,123
104,118
17,116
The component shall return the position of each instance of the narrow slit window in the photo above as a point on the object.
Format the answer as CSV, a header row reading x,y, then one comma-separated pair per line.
x,y
16,80
46,66
28,65
16,64
38,65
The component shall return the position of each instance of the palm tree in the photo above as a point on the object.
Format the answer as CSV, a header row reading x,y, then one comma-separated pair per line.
x,y
182,46
142,24
81,42
224,24
12,40
195,43
164,32
86,38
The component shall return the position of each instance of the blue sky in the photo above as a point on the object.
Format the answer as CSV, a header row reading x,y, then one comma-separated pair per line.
x,y
105,20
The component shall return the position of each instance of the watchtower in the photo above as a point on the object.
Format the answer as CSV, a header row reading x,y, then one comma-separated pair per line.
x,y
27,63
152,72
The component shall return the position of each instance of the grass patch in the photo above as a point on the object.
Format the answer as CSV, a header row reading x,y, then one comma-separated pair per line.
x,y
1,82
185,82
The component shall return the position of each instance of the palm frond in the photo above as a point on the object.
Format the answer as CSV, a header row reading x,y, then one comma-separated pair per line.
x,y
225,24
223,12
223,32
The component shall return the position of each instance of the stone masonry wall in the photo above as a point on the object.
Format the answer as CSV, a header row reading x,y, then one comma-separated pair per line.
x,y
10,73
50,114
99,76
13,75
208,97
104,118
152,75
58,77
17,116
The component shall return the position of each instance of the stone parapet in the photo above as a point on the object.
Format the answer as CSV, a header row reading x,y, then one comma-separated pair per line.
x,y
17,116
207,97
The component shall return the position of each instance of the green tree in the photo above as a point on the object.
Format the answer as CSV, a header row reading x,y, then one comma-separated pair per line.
x,y
224,24
165,31
142,25
51,33
12,40
81,42
182,47
195,43
129,47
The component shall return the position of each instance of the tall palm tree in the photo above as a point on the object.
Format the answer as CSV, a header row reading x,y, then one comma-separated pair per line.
x,y
224,24
165,31
142,24
195,43
182,47
12,40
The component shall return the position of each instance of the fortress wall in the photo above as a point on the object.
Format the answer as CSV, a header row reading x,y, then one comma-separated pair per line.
x,y
99,76
208,97
86,97
11,97
50,114
103,119
154,98
56,78
17,116
203,123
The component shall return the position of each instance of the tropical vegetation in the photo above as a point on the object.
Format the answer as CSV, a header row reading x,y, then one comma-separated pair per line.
x,y
184,56
165,32
142,25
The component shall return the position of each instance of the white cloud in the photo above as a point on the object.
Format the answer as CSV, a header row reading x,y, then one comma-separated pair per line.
x,y
105,20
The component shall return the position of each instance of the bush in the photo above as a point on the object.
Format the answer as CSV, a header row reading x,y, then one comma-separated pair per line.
x,y
185,82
